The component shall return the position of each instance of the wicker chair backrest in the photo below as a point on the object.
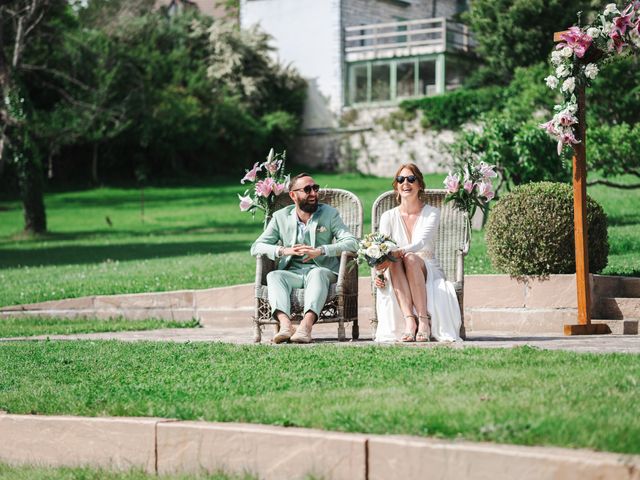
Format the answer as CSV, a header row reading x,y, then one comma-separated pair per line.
x,y
347,204
452,231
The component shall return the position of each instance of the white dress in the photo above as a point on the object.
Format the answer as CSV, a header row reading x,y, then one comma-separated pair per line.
x,y
442,302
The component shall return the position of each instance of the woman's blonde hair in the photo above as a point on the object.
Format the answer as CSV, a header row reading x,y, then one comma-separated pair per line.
x,y
418,174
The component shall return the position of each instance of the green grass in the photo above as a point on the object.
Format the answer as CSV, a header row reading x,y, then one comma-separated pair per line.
x,y
520,396
195,237
30,326
9,472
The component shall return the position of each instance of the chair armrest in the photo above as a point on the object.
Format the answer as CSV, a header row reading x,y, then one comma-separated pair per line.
x,y
264,265
348,273
460,254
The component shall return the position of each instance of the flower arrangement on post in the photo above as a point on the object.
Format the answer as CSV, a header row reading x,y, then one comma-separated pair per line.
x,y
470,188
375,249
577,60
268,180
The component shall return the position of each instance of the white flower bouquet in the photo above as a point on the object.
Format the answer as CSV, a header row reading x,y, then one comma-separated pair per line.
x,y
376,248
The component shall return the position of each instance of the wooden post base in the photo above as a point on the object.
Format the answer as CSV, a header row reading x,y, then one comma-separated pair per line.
x,y
587,329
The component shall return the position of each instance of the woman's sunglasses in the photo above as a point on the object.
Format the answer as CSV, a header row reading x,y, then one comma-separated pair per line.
x,y
307,189
400,179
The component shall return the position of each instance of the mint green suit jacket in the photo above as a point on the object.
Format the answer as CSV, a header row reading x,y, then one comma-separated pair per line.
x,y
324,226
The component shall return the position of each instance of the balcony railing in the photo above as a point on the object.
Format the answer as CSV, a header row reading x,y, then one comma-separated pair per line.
x,y
384,40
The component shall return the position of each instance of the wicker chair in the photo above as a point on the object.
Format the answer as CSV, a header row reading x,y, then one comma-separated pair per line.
x,y
451,246
342,299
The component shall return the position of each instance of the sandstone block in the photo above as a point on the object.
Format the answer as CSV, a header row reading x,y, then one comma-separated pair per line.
x,y
270,452
494,291
559,291
411,458
114,443
519,320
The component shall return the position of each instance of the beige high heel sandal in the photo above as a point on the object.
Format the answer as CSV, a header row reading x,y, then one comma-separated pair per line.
x,y
407,336
424,336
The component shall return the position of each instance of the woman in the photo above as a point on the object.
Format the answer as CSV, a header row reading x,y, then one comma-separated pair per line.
x,y
414,302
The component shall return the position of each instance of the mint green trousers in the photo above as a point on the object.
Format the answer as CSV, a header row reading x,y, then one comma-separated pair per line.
x,y
315,281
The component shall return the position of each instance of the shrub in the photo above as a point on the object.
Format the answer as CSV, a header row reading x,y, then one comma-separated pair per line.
x,y
530,231
455,108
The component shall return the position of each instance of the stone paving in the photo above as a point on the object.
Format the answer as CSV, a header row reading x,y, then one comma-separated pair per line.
x,y
327,335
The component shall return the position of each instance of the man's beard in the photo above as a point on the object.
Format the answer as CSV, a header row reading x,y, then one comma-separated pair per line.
x,y
307,207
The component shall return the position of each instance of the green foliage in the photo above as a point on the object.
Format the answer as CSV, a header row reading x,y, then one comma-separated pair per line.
x,y
530,231
514,33
453,109
614,149
521,152
614,96
520,396
167,95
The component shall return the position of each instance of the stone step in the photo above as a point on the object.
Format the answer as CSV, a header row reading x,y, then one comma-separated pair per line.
x,y
617,308
619,327
610,286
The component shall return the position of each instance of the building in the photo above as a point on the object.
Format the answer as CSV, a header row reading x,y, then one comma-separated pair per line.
x,y
364,52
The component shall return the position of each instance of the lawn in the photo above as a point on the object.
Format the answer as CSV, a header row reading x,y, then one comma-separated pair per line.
x,y
519,396
30,326
9,472
194,237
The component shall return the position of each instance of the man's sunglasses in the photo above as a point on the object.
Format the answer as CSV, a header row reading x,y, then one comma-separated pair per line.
x,y
307,189
400,179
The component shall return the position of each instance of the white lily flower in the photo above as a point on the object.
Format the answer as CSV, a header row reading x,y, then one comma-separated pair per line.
x,y
611,8
569,85
566,52
562,71
552,82
593,32
591,70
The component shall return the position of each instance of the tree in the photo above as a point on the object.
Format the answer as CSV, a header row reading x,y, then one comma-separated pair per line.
x,y
20,22
513,33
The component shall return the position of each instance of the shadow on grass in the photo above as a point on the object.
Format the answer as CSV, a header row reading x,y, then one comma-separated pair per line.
x,y
90,254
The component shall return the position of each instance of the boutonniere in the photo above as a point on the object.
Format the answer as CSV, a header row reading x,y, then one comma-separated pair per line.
x,y
321,229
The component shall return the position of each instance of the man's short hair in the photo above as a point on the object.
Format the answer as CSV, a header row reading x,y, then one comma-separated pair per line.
x,y
295,179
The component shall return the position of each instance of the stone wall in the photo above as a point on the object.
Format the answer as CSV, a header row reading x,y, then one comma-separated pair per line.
x,y
375,141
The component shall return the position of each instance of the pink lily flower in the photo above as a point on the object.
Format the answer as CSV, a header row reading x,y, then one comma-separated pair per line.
x,y
621,23
576,40
245,202
485,189
618,42
468,186
566,119
251,174
265,187
272,167
486,170
452,183
550,127
566,138
278,188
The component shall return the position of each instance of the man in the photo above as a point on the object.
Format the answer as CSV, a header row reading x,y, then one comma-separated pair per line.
x,y
306,258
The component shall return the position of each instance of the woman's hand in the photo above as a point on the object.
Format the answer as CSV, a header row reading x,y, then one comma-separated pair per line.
x,y
399,253
379,280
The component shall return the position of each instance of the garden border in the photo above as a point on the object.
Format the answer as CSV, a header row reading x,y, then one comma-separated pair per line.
x,y
162,446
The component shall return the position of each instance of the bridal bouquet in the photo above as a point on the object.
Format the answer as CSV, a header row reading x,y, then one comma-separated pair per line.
x,y
268,181
376,248
470,187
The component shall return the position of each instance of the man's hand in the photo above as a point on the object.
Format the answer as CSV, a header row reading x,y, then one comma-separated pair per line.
x,y
311,253
297,250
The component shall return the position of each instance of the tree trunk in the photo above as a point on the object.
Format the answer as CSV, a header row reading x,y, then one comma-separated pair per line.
x,y
94,164
32,193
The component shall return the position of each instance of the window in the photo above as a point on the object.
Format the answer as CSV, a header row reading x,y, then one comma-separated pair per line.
x,y
427,77
380,81
405,79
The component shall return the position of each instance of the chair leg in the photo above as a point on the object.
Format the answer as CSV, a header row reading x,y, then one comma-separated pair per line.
x,y
341,332
257,332
355,330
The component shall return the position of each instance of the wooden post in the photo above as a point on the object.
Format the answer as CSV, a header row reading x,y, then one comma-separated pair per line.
x,y
580,226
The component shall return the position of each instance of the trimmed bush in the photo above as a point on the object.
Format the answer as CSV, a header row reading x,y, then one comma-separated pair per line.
x,y
530,231
453,109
